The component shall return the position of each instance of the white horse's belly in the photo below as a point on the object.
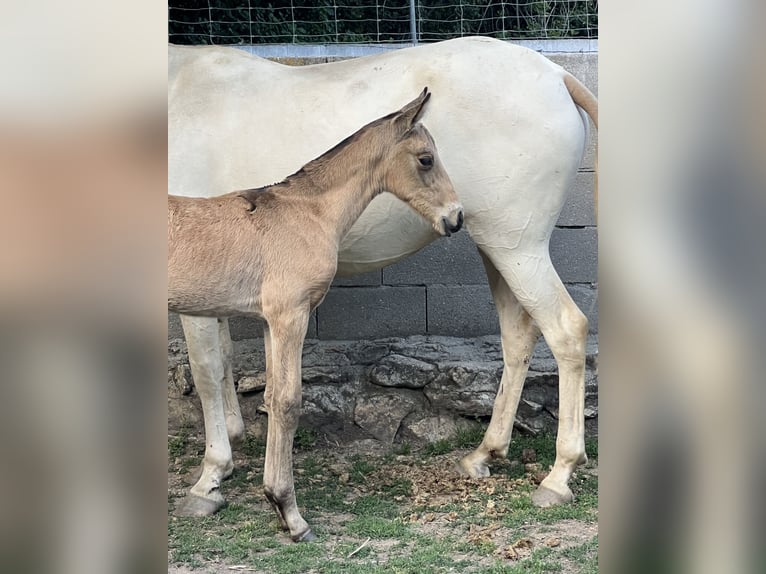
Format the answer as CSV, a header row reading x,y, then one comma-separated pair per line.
x,y
505,126
387,231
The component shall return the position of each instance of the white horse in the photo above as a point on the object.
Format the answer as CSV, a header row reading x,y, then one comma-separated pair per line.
x,y
511,129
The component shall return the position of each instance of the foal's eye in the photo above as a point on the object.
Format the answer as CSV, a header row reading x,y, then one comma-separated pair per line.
x,y
426,161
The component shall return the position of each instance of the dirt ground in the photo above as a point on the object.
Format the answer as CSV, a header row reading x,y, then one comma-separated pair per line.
x,y
416,494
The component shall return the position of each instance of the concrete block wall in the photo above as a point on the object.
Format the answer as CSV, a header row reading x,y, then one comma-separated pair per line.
x,y
442,290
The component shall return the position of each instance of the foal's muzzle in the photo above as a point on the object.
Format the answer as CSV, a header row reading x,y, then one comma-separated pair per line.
x,y
449,228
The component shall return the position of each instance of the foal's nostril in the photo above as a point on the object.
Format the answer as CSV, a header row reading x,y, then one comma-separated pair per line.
x,y
446,226
459,221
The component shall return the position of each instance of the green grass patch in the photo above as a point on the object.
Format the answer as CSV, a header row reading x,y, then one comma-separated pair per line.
x,y
177,444
376,527
305,438
469,436
442,446
585,556
373,506
361,467
253,447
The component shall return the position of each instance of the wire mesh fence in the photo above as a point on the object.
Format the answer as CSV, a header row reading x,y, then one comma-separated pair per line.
x,y
376,21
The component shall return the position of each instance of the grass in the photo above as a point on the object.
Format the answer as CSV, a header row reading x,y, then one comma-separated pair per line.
x,y
405,512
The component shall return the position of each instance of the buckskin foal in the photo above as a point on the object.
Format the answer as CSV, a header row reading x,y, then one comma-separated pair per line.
x,y
273,252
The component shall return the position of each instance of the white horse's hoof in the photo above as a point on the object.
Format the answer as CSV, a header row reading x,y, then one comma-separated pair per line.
x,y
467,467
306,536
193,505
193,476
544,497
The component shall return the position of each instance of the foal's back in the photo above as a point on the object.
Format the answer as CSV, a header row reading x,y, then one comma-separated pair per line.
x,y
208,255
221,251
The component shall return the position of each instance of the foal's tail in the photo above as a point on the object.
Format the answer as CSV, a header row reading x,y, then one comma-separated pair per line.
x,y
585,99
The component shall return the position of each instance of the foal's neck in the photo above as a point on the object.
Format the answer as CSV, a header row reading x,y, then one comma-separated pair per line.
x,y
343,182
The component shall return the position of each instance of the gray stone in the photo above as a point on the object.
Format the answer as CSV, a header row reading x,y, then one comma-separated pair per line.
x,y
351,313
467,389
324,354
321,402
251,384
382,414
574,254
179,379
452,260
430,429
175,330
325,375
461,311
401,371
535,425
368,352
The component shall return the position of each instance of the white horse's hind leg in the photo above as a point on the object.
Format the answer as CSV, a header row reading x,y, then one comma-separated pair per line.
x,y
519,335
235,426
206,361
537,286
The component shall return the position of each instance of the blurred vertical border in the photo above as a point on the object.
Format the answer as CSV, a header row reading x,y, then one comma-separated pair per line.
x,y
682,277
83,180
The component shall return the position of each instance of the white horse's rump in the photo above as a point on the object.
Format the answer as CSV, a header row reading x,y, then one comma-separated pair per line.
x,y
509,131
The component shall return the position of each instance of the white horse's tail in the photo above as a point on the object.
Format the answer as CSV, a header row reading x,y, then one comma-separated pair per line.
x,y
585,99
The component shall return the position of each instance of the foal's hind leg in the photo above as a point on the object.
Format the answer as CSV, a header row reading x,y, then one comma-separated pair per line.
x,y
203,342
519,335
536,285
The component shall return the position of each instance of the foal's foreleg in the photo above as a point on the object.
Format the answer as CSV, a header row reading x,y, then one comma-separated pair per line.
x,y
266,405
518,334
288,330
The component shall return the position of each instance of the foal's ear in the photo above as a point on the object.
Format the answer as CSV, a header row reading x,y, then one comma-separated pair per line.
x,y
410,114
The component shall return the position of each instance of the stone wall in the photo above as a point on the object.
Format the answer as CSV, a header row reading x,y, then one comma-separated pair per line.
x,y
413,389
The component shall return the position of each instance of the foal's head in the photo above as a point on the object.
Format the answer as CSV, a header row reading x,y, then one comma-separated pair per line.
x,y
414,173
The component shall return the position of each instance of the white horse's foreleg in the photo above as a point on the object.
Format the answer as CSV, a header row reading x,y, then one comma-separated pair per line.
x,y
203,342
235,426
287,330
539,289
519,335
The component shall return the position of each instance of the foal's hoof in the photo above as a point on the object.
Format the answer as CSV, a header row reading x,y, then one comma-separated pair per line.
x,y
545,497
306,536
193,505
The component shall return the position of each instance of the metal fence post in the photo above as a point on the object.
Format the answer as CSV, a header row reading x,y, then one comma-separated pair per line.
x,y
413,25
